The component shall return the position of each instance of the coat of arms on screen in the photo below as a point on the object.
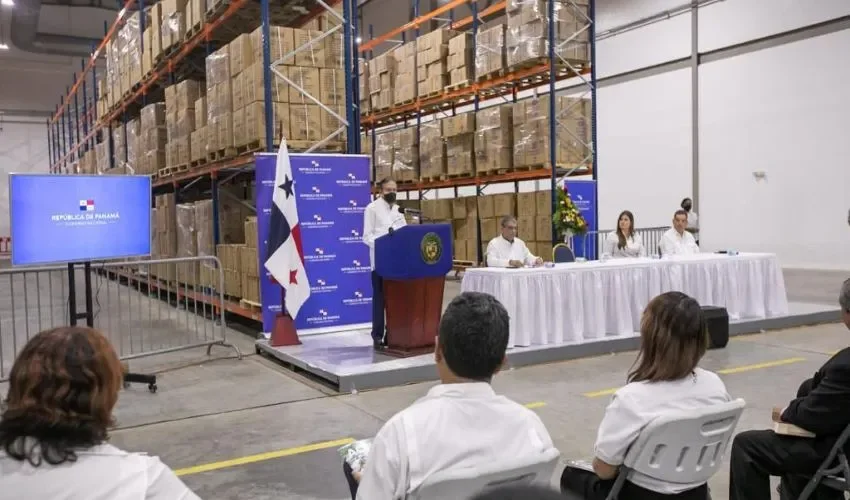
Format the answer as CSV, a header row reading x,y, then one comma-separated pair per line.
x,y
432,248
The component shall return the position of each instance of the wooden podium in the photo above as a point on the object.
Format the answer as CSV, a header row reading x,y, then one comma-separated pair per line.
x,y
413,261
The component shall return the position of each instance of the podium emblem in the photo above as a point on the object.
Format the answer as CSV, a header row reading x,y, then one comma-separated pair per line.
x,y
431,248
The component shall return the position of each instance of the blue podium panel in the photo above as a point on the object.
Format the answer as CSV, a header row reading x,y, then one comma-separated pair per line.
x,y
415,251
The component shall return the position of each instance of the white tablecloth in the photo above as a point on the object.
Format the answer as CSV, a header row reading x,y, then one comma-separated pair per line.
x,y
582,301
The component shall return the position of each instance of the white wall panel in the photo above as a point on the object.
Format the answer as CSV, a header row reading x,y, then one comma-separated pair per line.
x,y
651,45
756,115
23,148
644,135
737,21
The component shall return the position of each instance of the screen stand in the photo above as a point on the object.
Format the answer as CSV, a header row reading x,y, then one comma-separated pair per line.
x,y
88,315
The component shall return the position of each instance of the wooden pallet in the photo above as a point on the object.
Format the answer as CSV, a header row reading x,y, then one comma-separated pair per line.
x,y
254,146
433,178
457,85
305,145
431,94
174,169
459,175
493,74
190,32
251,306
221,154
197,163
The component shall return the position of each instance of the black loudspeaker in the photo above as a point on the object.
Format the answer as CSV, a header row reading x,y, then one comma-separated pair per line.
x,y
717,320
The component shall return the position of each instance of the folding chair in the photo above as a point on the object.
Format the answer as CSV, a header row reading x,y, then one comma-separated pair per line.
x,y
684,447
834,472
563,253
461,484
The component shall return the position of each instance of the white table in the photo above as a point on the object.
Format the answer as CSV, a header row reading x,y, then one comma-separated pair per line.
x,y
583,301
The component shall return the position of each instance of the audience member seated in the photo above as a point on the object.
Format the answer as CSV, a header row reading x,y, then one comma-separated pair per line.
x,y
822,407
624,242
665,378
461,423
53,432
677,240
506,250
525,492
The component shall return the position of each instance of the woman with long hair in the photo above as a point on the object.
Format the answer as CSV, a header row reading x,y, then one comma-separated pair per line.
x,y
624,242
54,427
664,378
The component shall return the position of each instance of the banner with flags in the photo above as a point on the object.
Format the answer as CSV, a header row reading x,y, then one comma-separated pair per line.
x,y
285,252
332,192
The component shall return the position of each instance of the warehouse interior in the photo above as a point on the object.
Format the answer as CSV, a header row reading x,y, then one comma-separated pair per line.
x,y
740,105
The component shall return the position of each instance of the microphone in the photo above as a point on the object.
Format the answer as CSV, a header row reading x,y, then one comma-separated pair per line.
x,y
401,210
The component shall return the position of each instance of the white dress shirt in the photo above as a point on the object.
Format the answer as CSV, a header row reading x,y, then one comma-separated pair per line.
x,y
501,251
455,426
634,247
638,403
102,472
378,218
673,243
693,223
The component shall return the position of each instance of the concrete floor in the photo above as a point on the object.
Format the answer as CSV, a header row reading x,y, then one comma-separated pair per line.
x,y
213,410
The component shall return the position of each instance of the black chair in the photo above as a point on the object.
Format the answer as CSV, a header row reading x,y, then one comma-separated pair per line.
x,y
834,472
563,253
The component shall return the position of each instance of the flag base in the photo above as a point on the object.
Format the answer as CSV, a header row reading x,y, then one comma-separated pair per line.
x,y
283,332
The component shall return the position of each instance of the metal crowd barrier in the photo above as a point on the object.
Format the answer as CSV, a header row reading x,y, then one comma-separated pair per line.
x,y
144,307
594,241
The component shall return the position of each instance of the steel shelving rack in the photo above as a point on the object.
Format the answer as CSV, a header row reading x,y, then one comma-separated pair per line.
x,y
74,127
505,87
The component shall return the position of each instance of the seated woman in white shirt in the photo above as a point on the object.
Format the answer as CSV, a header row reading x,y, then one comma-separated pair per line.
x,y
665,378
53,432
506,250
624,242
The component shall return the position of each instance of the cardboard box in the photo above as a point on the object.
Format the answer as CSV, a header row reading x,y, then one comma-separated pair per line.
x,y
459,250
543,202
251,232
253,88
486,208
255,122
504,204
526,228
490,55
526,204
313,55
432,151
308,80
200,112
543,225
494,139
305,122
281,43
437,210
489,229
241,54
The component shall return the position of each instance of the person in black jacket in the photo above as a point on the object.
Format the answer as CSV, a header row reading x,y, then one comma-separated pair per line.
x,y
822,407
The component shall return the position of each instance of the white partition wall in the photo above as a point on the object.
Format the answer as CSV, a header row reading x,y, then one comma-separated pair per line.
x,y
644,148
775,152
764,99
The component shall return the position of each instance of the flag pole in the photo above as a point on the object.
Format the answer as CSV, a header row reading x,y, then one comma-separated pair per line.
x,y
283,330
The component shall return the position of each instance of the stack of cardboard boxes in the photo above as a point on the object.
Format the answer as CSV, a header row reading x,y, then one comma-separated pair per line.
x,y
384,155
406,155
180,101
459,132
465,228
363,72
460,63
534,220
382,80
493,139
528,31
432,51
531,132
153,139
405,79
198,147
490,52
432,151
249,268
172,23
219,102
164,245
125,142
230,257
188,273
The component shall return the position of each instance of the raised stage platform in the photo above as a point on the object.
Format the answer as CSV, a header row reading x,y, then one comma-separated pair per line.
x,y
347,361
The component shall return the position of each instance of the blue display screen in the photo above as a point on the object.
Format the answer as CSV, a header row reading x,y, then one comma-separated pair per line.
x,y
74,218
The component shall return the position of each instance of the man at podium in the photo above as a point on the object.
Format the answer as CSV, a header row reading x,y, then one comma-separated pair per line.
x,y
381,217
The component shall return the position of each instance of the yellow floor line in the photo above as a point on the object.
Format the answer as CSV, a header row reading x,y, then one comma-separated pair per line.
x,y
260,457
725,371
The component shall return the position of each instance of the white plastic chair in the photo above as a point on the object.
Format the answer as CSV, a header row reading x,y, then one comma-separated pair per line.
x,y
461,484
683,447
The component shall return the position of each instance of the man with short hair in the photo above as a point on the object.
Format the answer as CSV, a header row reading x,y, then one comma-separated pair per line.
x,y
381,217
506,250
677,240
822,407
461,423
693,219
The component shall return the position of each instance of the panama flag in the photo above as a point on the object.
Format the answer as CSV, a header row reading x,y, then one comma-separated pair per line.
x,y
286,257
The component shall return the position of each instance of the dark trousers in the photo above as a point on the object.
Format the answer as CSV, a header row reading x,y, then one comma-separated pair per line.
x,y
757,455
377,307
580,483
349,476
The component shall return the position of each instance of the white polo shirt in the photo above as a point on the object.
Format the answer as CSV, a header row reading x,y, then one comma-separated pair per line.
x,y
638,403
102,472
378,218
501,251
634,247
454,426
673,243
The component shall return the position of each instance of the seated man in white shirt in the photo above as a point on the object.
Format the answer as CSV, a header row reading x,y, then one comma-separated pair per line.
x,y
506,250
677,240
461,423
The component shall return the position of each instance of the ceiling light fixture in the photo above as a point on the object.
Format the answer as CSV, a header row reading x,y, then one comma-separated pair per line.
x,y
7,3
3,46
